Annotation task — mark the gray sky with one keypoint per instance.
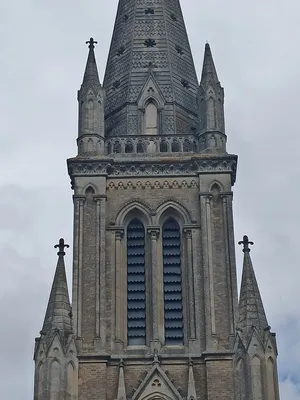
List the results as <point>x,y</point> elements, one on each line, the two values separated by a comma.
<point>256,51</point>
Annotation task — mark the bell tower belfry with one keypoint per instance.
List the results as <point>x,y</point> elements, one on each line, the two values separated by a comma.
<point>155,311</point>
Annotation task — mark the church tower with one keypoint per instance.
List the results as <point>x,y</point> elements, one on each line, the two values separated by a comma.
<point>155,311</point>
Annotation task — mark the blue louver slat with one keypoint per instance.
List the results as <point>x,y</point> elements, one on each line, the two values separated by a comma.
<point>136,289</point>
<point>172,283</point>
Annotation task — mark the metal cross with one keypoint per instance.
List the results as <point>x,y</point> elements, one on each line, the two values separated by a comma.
<point>246,243</point>
<point>91,43</point>
<point>61,246</point>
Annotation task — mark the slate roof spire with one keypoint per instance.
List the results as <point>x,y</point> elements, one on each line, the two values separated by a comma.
<point>58,314</point>
<point>147,33</point>
<point>251,309</point>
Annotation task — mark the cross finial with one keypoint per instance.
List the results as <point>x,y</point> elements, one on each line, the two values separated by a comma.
<point>246,243</point>
<point>61,247</point>
<point>91,43</point>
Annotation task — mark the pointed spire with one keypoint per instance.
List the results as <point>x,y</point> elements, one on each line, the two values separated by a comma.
<point>209,72</point>
<point>121,385</point>
<point>91,76</point>
<point>211,108</point>
<point>191,395</point>
<point>58,314</point>
<point>156,35</point>
<point>251,309</point>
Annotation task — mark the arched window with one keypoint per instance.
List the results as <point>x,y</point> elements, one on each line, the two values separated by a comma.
<point>151,119</point>
<point>172,283</point>
<point>163,146</point>
<point>175,146</point>
<point>136,285</point>
<point>128,147</point>
<point>140,148</point>
<point>117,147</point>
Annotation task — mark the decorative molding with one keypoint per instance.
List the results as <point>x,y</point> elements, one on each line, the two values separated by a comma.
<point>159,167</point>
<point>177,184</point>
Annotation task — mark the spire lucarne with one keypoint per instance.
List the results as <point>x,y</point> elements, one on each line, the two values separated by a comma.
<point>150,36</point>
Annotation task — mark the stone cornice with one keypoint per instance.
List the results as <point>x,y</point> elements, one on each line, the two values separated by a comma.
<point>152,167</point>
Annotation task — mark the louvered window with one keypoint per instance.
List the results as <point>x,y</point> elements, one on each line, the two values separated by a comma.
<point>136,289</point>
<point>172,283</point>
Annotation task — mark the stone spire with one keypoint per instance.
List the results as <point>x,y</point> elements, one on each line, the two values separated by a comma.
<point>150,35</point>
<point>55,354</point>
<point>91,76</point>
<point>251,309</point>
<point>91,108</point>
<point>209,72</point>
<point>211,107</point>
<point>58,314</point>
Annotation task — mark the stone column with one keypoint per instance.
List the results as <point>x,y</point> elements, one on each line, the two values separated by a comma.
<point>100,331</point>
<point>119,334</point>
<point>155,287</point>
<point>228,265</point>
<point>210,263</point>
<point>102,251</point>
<point>98,222</point>
<point>77,269</point>
<point>190,276</point>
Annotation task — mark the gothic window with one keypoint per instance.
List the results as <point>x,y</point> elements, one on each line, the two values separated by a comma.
<point>151,119</point>
<point>136,289</point>
<point>172,283</point>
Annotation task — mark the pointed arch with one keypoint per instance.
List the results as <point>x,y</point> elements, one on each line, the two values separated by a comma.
<point>173,209</point>
<point>136,283</point>
<point>89,190</point>
<point>131,210</point>
<point>216,186</point>
<point>173,310</point>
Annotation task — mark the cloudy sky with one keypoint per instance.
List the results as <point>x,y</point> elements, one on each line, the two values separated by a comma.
<point>256,50</point>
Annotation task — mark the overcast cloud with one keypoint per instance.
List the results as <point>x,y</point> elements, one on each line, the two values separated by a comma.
<point>256,49</point>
